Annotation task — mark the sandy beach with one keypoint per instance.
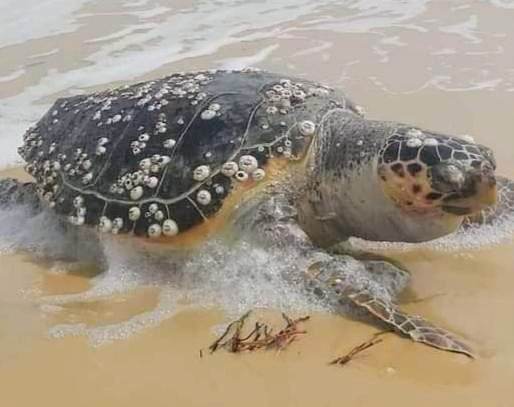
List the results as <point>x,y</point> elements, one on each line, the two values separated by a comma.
<point>442,65</point>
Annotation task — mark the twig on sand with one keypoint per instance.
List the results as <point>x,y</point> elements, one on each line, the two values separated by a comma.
<point>374,340</point>
<point>261,336</point>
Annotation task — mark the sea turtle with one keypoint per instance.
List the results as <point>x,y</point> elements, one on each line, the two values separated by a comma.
<point>179,159</point>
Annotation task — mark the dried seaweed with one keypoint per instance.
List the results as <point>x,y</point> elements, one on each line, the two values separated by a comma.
<point>260,337</point>
<point>374,340</point>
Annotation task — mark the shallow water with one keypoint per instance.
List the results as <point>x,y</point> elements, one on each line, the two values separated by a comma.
<point>70,334</point>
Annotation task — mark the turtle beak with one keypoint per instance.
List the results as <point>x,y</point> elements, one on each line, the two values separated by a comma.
<point>478,192</point>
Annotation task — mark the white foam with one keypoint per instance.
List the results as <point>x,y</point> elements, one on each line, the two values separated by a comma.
<point>239,279</point>
<point>242,278</point>
<point>236,278</point>
<point>13,75</point>
<point>158,36</point>
<point>465,239</point>
<point>22,20</point>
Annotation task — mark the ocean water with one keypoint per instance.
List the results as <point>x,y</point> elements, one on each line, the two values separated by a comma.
<point>448,65</point>
<point>51,48</point>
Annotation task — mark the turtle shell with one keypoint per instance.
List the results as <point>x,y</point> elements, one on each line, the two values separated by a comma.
<point>159,157</point>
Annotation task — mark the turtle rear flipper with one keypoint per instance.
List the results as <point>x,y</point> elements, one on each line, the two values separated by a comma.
<point>413,326</point>
<point>14,192</point>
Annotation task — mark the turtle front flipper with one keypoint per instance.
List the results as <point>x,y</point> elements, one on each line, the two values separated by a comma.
<point>413,326</point>
<point>354,284</point>
<point>503,208</point>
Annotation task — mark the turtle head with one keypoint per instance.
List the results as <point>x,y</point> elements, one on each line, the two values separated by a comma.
<point>389,182</point>
<point>437,177</point>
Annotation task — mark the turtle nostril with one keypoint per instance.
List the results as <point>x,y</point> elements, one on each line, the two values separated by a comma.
<point>487,173</point>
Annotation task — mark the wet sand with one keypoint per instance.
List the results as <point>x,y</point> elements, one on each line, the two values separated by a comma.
<point>162,366</point>
<point>469,292</point>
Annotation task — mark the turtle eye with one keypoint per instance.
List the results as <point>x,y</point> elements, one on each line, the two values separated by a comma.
<point>446,178</point>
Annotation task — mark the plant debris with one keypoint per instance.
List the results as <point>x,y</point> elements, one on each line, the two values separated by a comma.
<point>260,337</point>
<point>374,340</point>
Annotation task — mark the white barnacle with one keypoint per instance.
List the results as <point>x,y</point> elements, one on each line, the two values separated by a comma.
<point>97,115</point>
<point>144,137</point>
<point>87,164</point>
<point>145,164</point>
<point>102,141</point>
<point>360,142</point>
<point>414,142</point>
<point>307,127</point>
<point>414,133</point>
<point>153,208</point>
<point>100,150</point>
<point>180,121</point>
<point>241,176</point>
<point>159,215</point>
<point>78,201</point>
<point>155,168</point>
<point>248,163</point>
<point>468,138</point>
<point>154,230</point>
<point>87,178</point>
<point>151,182</point>
<point>134,213</point>
<point>164,160</point>
<point>116,118</point>
<point>299,94</point>
<point>169,227</point>
<point>203,197</point>
<point>136,193</point>
<point>104,224</point>
<point>229,169</point>
<point>360,110</point>
<point>219,189</point>
<point>117,223</point>
<point>430,142</point>
<point>215,107</point>
<point>128,184</point>
<point>80,211</point>
<point>169,143</point>
<point>455,175</point>
<point>258,174</point>
<point>201,173</point>
<point>208,114</point>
